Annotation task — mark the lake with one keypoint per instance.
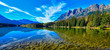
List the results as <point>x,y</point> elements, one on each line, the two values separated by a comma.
<point>19,38</point>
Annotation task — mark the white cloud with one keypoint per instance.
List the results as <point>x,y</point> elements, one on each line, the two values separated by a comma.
<point>43,6</point>
<point>17,9</point>
<point>9,11</point>
<point>43,19</point>
<point>49,12</point>
<point>38,9</point>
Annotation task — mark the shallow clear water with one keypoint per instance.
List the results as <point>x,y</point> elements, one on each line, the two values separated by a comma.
<point>11,35</point>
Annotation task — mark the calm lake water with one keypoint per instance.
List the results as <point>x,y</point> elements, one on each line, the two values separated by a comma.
<point>49,38</point>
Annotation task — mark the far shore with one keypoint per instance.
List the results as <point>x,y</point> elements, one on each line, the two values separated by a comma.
<point>84,27</point>
<point>79,27</point>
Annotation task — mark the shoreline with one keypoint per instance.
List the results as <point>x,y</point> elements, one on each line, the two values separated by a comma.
<point>78,27</point>
<point>85,27</point>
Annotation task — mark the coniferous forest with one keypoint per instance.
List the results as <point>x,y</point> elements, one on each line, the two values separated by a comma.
<point>96,19</point>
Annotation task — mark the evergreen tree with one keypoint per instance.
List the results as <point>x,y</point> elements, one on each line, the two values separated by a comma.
<point>82,22</point>
<point>96,19</point>
<point>78,22</point>
<point>73,21</point>
<point>105,19</point>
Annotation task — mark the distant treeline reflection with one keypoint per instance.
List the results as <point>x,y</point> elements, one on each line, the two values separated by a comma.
<point>86,37</point>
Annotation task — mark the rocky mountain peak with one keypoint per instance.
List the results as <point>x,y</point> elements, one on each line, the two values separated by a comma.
<point>107,6</point>
<point>94,7</point>
<point>83,12</point>
<point>69,12</point>
<point>74,11</point>
<point>101,7</point>
<point>102,4</point>
<point>79,8</point>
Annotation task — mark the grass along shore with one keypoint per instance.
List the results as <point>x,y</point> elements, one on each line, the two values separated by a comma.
<point>85,27</point>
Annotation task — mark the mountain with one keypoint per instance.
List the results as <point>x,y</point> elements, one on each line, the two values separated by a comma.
<point>7,21</point>
<point>84,12</point>
<point>25,21</point>
<point>15,22</point>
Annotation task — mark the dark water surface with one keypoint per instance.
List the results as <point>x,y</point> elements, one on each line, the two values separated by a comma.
<point>40,39</point>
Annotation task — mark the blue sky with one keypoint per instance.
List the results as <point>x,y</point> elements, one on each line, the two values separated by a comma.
<point>42,10</point>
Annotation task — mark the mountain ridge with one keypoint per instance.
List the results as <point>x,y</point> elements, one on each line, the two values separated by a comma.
<point>7,21</point>
<point>27,21</point>
<point>15,22</point>
<point>83,12</point>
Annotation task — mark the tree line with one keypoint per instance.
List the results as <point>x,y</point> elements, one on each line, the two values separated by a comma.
<point>96,19</point>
